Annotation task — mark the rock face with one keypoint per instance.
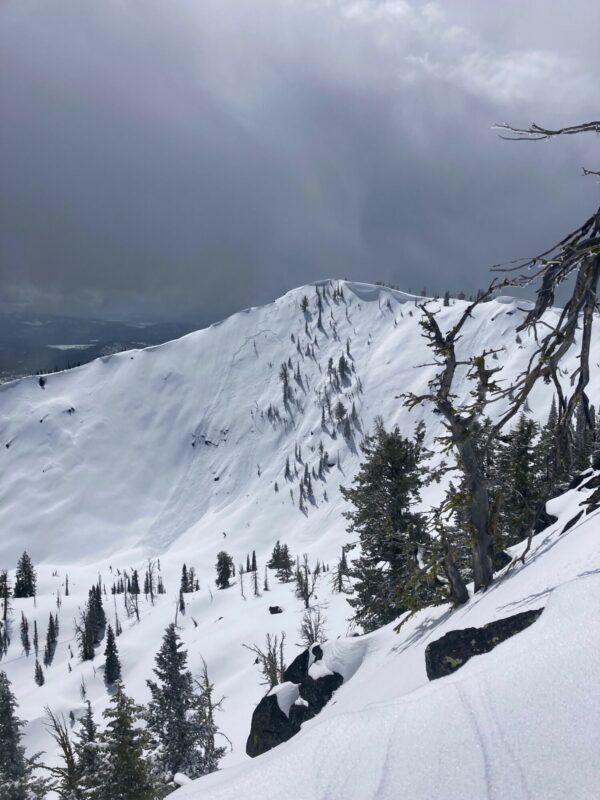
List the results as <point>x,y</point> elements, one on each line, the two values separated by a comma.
<point>270,725</point>
<point>455,648</point>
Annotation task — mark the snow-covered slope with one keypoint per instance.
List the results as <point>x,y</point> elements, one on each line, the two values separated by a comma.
<point>520,723</point>
<point>171,452</point>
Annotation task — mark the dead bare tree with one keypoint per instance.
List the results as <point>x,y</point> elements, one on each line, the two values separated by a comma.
<point>312,627</point>
<point>577,257</point>
<point>461,422</point>
<point>305,581</point>
<point>271,659</point>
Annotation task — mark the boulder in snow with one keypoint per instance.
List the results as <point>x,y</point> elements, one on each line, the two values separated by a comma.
<point>455,648</point>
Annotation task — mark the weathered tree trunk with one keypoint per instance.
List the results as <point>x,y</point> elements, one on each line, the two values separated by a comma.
<point>458,590</point>
<point>479,507</point>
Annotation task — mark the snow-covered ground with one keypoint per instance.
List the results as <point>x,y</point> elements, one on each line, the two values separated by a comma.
<point>170,453</point>
<point>519,723</point>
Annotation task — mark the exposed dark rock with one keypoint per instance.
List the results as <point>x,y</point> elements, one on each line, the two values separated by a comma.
<point>298,669</point>
<point>593,499</point>
<point>317,652</point>
<point>299,713</point>
<point>275,610</point>
<point>501,559</point>
<point>317,693</point>
<point>578,480</point>
<point>543,520</point>
<point>455,648</point>
<point>270,726</point>
<point>572,522</point>
<point>593,483</point>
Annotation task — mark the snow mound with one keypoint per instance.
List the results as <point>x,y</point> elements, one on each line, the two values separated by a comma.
<point>520,722</point>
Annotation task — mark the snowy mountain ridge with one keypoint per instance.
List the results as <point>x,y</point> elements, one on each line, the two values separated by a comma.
<point>179,451</point>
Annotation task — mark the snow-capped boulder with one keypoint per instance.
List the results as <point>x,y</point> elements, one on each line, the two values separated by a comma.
<point>301,696</point>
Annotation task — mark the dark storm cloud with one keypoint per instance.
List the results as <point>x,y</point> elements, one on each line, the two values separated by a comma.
<point>197,156</point>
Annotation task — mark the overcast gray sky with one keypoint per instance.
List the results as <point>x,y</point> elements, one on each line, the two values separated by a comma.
<point>191,157</point>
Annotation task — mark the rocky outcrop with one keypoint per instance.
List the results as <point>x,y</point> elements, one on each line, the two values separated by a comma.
<point>455,648</point>
<point>271,724</point>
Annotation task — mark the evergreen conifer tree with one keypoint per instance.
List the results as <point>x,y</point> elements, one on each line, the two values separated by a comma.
<point>126,774</point>
<point>224,569</point>
<point>135,583</point>
<point>518,466</point>
<point>25,578</point>
<point>112,665</point>
<point>25,634</point>
<point>583,438</point>
<point>16,770</point>
<point>285,570</point>
<point>274,561</point>
<point>390,531</point>
<point>552,472</point>
<point>184,585</point>
<point>176,716</point>
<point>4,594</point>
<point>51,639</point>
<point>38,674</point>
<point>88,756</point>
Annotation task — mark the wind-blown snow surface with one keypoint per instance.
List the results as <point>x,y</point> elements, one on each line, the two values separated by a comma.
<point>169,452</point>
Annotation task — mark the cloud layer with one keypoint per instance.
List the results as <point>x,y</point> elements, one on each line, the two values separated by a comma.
<point>192,157</point>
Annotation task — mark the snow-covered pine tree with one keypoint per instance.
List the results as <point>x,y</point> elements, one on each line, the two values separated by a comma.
<point>88,756</point>
<point>390,531</point>
<point>126,773</point>
<point>285,570</point>
<point>184,584</point>
<point>25,577</point>
<point>224,569</point>
<point>4,594</point>
<point>520,488</point>
<point>112,665</point>
<point>38,674</point>
<point>275,559</point>
<point>51,639</point>
<point>96,613</point>
<point>84,632</point>
<point>135,583</point>
<point>25,634</point>
<point>583,438</point>
<point>175,714</point>
<point>17,781</point>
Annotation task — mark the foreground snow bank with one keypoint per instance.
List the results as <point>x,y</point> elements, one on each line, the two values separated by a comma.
<point>520,722</point>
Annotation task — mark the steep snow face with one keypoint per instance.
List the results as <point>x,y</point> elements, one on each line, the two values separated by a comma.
<point>136,451</point>
<point>518,723</point>
<point>171,452</point>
